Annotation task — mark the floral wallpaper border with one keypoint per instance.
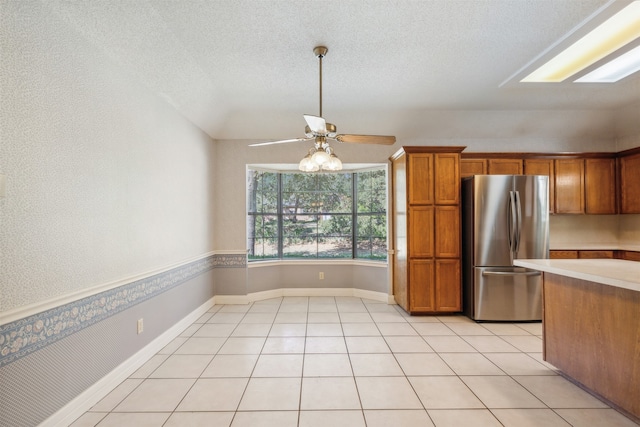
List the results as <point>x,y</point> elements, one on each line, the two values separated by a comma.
<point>24,336</point>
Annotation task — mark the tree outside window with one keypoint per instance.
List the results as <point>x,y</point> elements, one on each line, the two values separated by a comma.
<point>302,215</point>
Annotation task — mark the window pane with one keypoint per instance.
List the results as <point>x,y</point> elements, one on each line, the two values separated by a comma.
<point>372,225</point>
<point>299,182</point>
<point>264,248</point>
<point>317,215</point>
<point>335,225</point>
<point>262,236</point>
<point>374,249</point>
<point>262,192</point>
<point>372,191</point>
<point>263,226</point>
<point>335,247</point>
<point>299,247</point>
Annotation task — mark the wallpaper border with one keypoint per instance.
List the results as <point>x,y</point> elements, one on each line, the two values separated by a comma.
<point>24,336</point>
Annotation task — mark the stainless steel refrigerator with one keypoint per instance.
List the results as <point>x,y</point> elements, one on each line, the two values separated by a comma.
<point>504,217</point>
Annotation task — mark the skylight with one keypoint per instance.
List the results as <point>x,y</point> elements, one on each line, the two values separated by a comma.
<point>610,36</point>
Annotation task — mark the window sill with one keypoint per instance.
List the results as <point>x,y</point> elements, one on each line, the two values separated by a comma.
<point>269,263</point>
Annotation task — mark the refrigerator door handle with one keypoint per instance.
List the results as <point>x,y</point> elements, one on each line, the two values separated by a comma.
<point>511,273</point>
<point>518,223</point>
<point>512,219</point>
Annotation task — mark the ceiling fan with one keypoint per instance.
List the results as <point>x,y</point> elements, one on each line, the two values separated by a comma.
<point>321,156</point>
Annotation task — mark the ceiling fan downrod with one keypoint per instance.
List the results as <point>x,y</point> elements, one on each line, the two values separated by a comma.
<point>320,52</point>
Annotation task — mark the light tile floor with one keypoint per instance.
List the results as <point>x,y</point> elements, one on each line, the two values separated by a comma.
<point>344,361</point>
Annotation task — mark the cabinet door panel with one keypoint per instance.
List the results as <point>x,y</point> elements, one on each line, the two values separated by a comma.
<point>505,166</point>
<point>421,236</point>
<point>595,254</point>
<point>630,184</point>
<point>447,231</point>
<point>447,178</point>
<point>570,186</point>
<point>543,167</point>
<point>631,256</point>
<point>470,167</point>
<point>448,292</point>
<point>563,254</point>
<point>421,276</point>
<point>420,173</point>
<point>600,185</point>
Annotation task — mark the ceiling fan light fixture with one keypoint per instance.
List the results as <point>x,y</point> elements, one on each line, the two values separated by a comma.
<point>320,157</point>
<point>334,163</point>
<point>308,165</point>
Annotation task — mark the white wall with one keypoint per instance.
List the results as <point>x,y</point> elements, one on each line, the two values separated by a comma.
<point>104,180</point>
<point>628,127</point>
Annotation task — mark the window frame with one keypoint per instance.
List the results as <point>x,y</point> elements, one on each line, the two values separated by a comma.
<point>354,215</point>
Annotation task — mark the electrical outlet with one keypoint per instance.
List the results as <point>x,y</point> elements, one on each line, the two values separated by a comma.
<point>140,326</point>
<point>321,276</point>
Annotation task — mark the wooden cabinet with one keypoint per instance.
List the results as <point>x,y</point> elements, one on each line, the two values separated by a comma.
<point>505,166</point>
<point>447,293</point>
<point>628,255</point>
<point>421,278</point>
<point>630,182</point>
<point>426,229</point>
<point>578,183</point>
<point>447,224</point>
<point>556,254</point>
<point>421,231</point>
<point>585,186</point>
<point>569,186</point>
<point>447,166</point>
<point>470,167</point>
<point>600,186</point>
<point>421,185</point>
<point>590,333</point>
<point>543,167</point>
<point>595,254</point>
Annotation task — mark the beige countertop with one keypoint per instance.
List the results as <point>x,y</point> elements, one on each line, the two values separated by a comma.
<point>612,272</point>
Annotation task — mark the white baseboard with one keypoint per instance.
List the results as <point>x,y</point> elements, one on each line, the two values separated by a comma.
<point>83,402</point>
<point>305,292</point>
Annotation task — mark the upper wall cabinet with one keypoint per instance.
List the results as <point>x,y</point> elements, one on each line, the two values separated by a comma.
<point>600,186</point>
<point>578,183</point>
<point>505,166</point>
<point>569,186</point>
<point>629,162</point>
<point>447,167</point>
<point>420,171</point>
<point>470,167</point>
<point>585,186</point>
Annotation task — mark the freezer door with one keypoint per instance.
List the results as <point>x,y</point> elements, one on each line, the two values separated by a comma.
<point>532,239</point>
<point>507,294</point>
<point>492,220</point>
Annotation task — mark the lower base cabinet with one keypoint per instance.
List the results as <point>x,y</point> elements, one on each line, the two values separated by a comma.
<point>434,286</point>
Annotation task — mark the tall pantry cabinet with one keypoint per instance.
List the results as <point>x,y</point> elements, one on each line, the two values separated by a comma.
<point>426,229</point>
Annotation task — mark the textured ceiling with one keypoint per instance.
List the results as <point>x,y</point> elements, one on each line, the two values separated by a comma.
<point>245,68</point>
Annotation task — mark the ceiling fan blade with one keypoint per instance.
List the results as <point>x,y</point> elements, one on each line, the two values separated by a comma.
<point>282,141</point>
<point>367,139</point>
<point>316,124</point>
